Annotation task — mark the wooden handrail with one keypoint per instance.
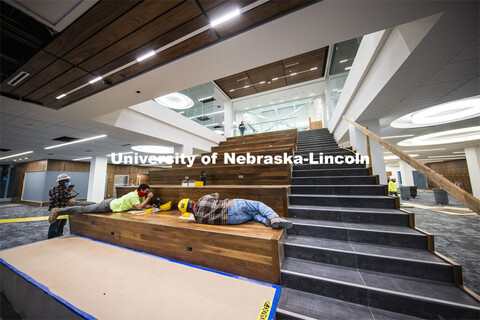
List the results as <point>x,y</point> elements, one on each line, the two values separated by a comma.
<point>458,193</point>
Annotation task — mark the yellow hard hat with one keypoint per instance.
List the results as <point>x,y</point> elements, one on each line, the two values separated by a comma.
<point>166,206</point>
<point>182,205</point>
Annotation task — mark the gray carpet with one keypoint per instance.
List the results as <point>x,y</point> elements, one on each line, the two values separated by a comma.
<point>20,233</point>
<point>456,236</point>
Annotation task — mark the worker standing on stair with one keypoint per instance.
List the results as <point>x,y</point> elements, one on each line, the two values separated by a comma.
<point>392,187</point>
<point>210,210</point>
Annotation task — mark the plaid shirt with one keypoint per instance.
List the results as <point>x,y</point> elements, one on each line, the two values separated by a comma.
<point>59,196</point>
<point>210,210</point>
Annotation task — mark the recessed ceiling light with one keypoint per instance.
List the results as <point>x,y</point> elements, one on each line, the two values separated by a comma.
<point>95,80</point>
<point>247,86</point>
<point>147,55</point>
<point>84,158</point>
<point>219,131</point>
<point>228,16</point>
<point>76,141</point>
<point>61,96</point>
<point>175,100</point>
<point>121,153</point>
<point>262,82</point>
<point>15,155</point>
<point>402,136</point>
<point>425,150</point>
<point>343,61</point>
<point>295,97</point>
<point>395,157</point>
<point>448,156</point>
<point>294,74</point>
<point>458,152</point>
<point>314,68</point>
<point>231,90</point>
<point>311,94</point>
<point>443,113</point>
<point>274,79</point>
<point>348,68</point>
<point>444,137</point>
<point>153,149</point>
<point>259,105</point>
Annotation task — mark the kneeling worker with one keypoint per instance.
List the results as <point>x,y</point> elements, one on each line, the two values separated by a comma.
<point>137,199</point>
<point>210,210</point>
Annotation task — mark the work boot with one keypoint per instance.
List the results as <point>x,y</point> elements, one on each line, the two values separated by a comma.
<point>71,203</point>
<point>53,215</point>
<point>278,223</point>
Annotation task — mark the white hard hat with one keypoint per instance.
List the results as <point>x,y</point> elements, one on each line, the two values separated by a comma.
<point>62,176</point>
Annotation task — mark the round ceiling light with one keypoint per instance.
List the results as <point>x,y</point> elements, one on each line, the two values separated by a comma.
<point>443,113</point>
<point>444,137</point>
<point>153,149</point>
<point>175,100</point>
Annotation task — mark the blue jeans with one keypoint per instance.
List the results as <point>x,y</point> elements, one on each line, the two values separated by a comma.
<point>243,211</point>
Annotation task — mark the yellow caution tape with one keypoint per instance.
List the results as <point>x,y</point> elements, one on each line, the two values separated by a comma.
<point>265,311</point>
<point>30,219</point>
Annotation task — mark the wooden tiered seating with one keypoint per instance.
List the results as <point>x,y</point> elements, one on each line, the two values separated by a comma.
<point>251,250</point>
<point>274,196</point>
<point>226,175</point>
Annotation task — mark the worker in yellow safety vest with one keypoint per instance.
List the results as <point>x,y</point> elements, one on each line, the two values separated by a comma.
<point>392,187</point>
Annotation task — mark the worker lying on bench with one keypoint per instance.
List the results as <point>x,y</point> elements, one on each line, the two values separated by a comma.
<point>137,199</point>
<point>210,210</point>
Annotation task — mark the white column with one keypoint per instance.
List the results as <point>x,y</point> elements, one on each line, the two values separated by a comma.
<point>228,119</point>
<point>473,164</point>
<point>378,162</point>
<point>186,149</point>
<point>324,112</point>
<point>97,179</point>
<point>352,134</point>
<point>407,174</point>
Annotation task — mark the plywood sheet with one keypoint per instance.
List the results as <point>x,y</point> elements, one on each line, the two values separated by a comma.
<point>109,282</point>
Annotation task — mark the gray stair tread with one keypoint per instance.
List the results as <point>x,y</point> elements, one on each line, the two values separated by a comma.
<point>356,226</point>
<point>321,307</point>
<point>446,292</point>
<point>362,248</point>
<point>348,209</point>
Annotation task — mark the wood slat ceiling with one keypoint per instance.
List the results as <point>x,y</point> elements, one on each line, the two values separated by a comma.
<point>114,33</point>
<point>297,69</point>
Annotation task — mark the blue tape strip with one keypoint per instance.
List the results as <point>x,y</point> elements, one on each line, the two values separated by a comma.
<point>276,298</point>
<point>42,287</point>
<point>186,264</point>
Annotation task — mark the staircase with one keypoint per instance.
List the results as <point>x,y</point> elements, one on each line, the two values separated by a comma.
<point>351,253</point>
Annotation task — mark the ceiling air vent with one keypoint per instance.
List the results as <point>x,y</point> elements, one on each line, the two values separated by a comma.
<point>18,78</point>
<point>65,139</point>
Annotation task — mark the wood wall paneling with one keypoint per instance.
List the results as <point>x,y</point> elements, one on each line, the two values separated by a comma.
<point>455,171</point>
<point>209,4</point>
<point>51,99</point>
